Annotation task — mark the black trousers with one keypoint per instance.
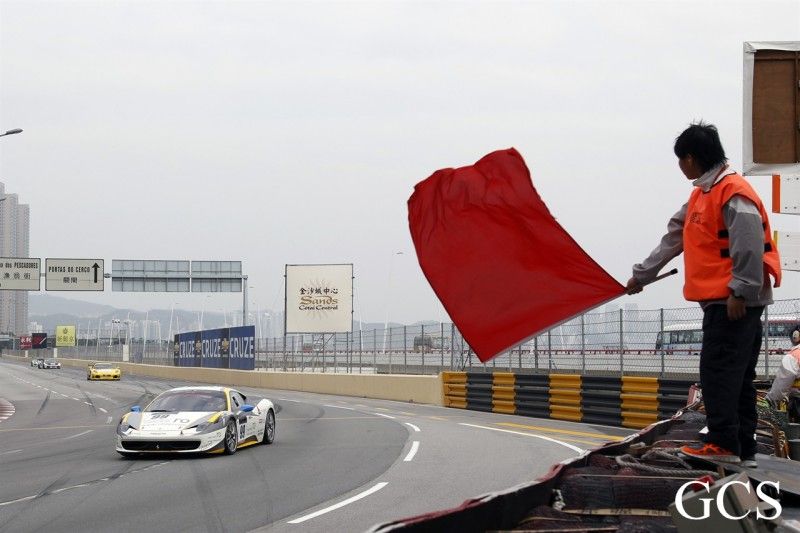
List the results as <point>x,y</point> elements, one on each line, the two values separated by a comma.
<point>727,370</point>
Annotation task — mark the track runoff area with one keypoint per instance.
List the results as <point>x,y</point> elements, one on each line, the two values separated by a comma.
<point>337,463</point>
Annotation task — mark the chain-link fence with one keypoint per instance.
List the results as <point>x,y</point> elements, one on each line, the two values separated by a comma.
<point>660,342</point>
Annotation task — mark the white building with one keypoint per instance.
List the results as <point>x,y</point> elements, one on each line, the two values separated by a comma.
<point>14,242</point>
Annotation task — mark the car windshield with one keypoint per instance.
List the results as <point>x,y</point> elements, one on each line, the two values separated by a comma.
<point>50,361</point>
<point>102,366</point>
<point>189,400</point>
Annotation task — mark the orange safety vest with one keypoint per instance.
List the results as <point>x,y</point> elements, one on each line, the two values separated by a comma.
<point>706,253</point>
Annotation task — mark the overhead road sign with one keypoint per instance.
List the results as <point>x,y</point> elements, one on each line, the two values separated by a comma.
<point>145,275</point>
<point>74,274</point>
<point>216,276</point>
<point>20,273</point>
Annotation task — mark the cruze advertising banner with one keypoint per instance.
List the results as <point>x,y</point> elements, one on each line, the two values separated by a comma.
<point>319,298</point>
<point>242,348</point>
<point>217,348</point>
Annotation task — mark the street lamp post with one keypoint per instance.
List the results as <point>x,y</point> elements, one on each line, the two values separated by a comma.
<point>388,299</point>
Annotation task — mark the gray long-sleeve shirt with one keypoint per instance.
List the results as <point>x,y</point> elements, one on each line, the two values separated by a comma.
<point>746,238</point>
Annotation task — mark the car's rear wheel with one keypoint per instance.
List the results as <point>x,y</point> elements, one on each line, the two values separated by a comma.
<point>269,428</point>
<point>231,438</point>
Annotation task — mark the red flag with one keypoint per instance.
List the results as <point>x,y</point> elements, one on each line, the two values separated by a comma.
<point>503,268</point>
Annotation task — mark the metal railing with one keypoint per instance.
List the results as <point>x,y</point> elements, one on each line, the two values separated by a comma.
<point>612,342</point>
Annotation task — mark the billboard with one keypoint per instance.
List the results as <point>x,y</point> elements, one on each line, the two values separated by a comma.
<point>25,342</point>
<point>233,348</point>
<point>319,299</point>
<point>65,336</point>
<point>39,341</point>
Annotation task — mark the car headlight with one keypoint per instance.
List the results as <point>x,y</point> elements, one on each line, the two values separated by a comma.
<point>211,424</point>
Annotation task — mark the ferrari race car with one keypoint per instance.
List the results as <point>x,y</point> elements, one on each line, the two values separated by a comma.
<point>196,419</point>
<point>102,371</point>
<point>49,363</point>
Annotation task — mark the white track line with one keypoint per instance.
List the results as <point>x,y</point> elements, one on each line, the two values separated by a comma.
<point>338,407</point>
<point>570,446</point>
<point>339,505</point>
<point>412,452</point>
<point>383,415</point>
<point>79,434</point>
<point>12,451</point>
<point>412,426</point>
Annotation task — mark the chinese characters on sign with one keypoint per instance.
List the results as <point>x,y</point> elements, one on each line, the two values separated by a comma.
<point>19,273</point>
<point>319,298</point>
<point>65,336</point>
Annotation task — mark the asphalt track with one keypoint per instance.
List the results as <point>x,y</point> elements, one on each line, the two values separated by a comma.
<point>337,464</point>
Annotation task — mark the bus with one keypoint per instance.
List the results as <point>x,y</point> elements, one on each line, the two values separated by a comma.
<point>687,337</point>
<point>430,343</point>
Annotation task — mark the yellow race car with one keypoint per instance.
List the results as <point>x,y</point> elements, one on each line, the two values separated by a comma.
<point>103,371</point>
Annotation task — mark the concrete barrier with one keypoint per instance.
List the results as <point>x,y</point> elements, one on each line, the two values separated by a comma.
<point>399,387</point>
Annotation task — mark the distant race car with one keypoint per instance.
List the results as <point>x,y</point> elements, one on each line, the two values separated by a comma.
<point>36,361</point>
<point>103,371</point>
<point>49,363</point>
<point>196,419</point>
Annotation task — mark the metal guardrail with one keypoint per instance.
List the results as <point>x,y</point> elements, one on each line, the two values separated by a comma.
<point>602,343</point>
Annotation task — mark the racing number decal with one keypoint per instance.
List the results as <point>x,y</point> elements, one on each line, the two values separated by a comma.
<point>241,430</point>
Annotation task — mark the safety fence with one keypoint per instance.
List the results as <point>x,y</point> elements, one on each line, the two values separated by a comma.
<point>657,343</point>
<point>626,401</point>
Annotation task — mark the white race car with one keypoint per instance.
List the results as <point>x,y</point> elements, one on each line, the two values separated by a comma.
<point>196,419</point>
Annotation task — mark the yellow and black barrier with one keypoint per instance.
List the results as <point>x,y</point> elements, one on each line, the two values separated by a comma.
<point>565,397</point>
<point>455,389</point>
<point>627,401</point>
<point>532,395</point>
<point>601,399</point>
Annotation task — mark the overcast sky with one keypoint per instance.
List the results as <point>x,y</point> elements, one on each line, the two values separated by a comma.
<point>292,132</point>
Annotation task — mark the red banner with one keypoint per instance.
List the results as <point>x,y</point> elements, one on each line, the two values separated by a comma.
<point>502,266</point>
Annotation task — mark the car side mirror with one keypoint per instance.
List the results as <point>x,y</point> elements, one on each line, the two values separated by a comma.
<point>246,408</point>
<point>136,409</point>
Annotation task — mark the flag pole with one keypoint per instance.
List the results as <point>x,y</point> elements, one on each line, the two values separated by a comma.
<point>661,276</point>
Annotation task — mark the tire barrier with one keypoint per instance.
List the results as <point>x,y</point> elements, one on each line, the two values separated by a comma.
<point>454,385</point>
<point>602,400</point>
<point>532,395</point>
<point>628,401</point>
<point>503,393</point>
<point>479,391</point>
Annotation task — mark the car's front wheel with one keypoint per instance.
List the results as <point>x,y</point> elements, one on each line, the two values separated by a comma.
<point>269,428</point>
<point>231,438</point>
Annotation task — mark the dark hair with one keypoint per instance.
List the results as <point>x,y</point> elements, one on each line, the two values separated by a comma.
<point>701,141</point>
